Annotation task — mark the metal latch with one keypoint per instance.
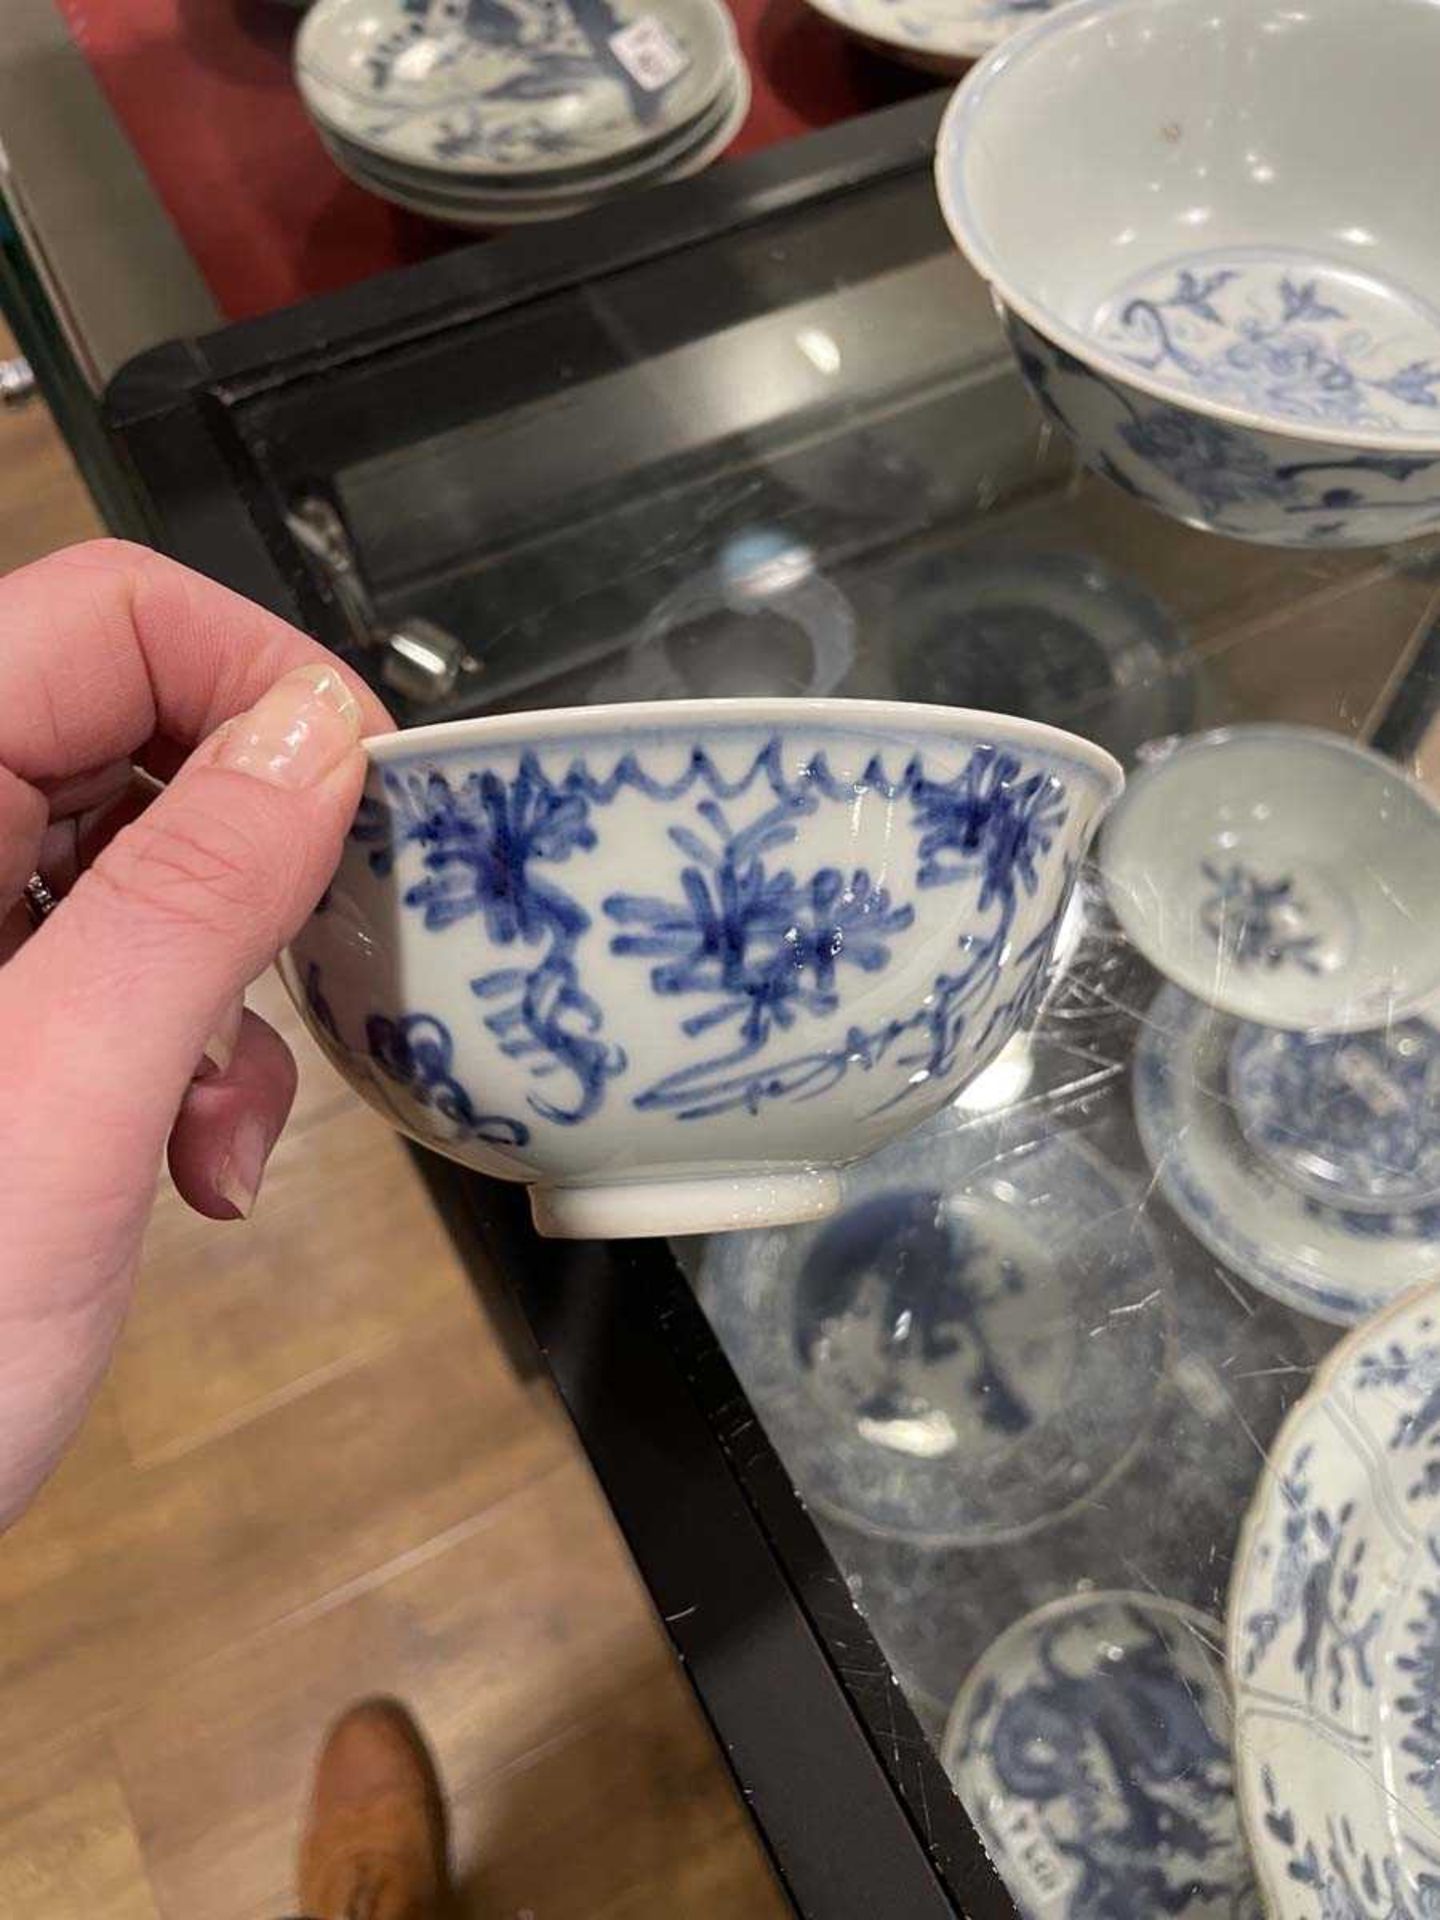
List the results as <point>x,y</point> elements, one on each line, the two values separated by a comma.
<point>416,658</point>
<point>17,381</point>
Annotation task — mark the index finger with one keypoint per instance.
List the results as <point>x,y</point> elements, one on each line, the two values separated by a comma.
<point>106,644</point>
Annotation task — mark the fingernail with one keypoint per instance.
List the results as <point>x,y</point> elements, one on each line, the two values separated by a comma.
<point>296,733</point>
<point>219,1052</point>
<point>243,1167</point>
<point>220,1047</point>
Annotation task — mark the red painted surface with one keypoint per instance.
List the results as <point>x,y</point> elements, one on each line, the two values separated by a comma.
<point>203,91</point>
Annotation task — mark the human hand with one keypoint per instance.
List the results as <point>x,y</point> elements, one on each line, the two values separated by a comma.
<point>122,1028</point>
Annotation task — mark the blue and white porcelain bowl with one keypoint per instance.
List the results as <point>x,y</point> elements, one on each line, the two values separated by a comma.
<point>1284,874</point>
<point>1210,232</point>
<point>938,36</point>
<point>673,964</point>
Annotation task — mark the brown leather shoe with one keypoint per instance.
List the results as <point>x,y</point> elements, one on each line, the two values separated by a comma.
<point>374,1846</point>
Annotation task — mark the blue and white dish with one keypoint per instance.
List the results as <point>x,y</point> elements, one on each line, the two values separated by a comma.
<point>1091,1746</point>
<point>1242,329</point>
<point>1333,1635</point>
<point>674,964</point>
<point>499,204</point>
<point>932,34</point>
<point>505,87</point>
<point>1353,1118</point>
<point>925,1363</point>
<point>461,189</point>
<point>1338,1263</point>
<point>1284,874</point>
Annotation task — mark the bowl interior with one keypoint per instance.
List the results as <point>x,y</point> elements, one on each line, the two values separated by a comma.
<point>1282,876</point>
<point>1233,199</point>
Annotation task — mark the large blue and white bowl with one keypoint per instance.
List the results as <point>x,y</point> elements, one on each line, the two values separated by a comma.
<point>673,964</point>
<point>1210,232</point>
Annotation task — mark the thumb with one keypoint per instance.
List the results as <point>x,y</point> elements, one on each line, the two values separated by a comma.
<point>113,999</point>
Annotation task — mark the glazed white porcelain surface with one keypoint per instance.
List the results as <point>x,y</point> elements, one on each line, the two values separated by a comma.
<point>673,964</point>
<point>500,206</point>
<point>926,32</point>
<point>461,188</point>
<point>676,160</point>
<point>924,1361</point>
<point>1334,1260</point>
<point>1210,231</point>
<point>1283,874</point>
<point>1091,1745</point>
<point>501,86</point>
<point>1333,1635</point>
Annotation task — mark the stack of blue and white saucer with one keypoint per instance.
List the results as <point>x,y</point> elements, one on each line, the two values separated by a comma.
<point>490,112</point>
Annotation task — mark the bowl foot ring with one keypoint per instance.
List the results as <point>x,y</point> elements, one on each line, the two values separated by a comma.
<point>707,1203</point>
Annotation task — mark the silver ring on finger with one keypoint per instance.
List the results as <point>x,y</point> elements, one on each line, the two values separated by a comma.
<point>40,899</point>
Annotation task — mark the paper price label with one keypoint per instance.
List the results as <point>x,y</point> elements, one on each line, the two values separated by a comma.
<point>649,53</point>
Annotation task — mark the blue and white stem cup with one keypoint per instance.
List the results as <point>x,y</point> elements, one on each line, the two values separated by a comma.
<point>674,964</point>
<point>1283,874</point>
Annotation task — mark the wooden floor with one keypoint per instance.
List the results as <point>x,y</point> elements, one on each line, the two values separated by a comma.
<point>312,1476</point>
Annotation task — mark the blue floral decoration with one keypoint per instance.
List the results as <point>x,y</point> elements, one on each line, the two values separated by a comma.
<point>484,846</point>
<point>1256,922</point>
<point>557,47</point>
<point>753,944</point>
<point>1272,342</point>
<point>481,847</point>
<point>1420,1702</point>
<point>1315,1578</point>
<point>1222,473</point>
<point>1350,1883</point>
<point>760,944</point>
<point>989,823</point>
<point>1397,1371</point>
<point>373,830</point>
<point>992,823</point>
<point>1219,467</point>
<point>417,1053</point>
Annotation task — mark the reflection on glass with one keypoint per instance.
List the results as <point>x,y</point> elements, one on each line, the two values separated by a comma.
<point>972,1345</point>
